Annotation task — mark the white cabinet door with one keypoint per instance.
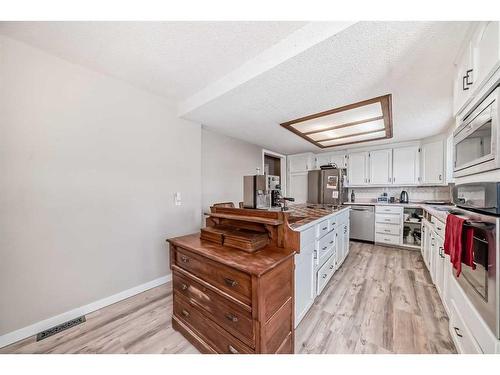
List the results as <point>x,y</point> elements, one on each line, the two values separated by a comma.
<point>380,167</point>
<point>486,50</point>
<point>323,159</point>
<point>405,165</point>
<point>297,187</point>
<point>462,85</point>
<point>439,266</point>
<point>300,163</point>
<point>357,168</point>
<point>433,162</point>
<point>339,160</point>
<point>304,281</point>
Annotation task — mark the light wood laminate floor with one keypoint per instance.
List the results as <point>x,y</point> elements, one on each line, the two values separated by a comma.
<point>380,301</point>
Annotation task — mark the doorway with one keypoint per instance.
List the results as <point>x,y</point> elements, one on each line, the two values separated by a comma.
<point>274,164</point>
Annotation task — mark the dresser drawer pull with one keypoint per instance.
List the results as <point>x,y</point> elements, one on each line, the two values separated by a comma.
<point>232,349</point>
<point>185,313</point>
<point>184,259</point>
<point>324,276</point>
<point>230,282</point>
<point>232,318</point>
<point>184,286</point>
<point>457,331</point>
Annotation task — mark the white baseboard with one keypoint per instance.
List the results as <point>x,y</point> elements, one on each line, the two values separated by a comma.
<point>33,329</point>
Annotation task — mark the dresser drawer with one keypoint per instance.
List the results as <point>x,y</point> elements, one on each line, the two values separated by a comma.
<point>210,332</point>
<point>389,210</point>
<point>224,312</point>
<point>388,229</point>
<point>231,281</point>
<point>326,272</point>
<point>388,219</point>
<point>389,239</point>
<point>322,229</point>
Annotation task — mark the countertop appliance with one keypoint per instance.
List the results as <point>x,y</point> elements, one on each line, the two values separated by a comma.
<point>479,206</point>
<point>476,142</point>
<point>274,187</point>
<point>403,198</point>
<point>327,186</point>
<point>362,223</point>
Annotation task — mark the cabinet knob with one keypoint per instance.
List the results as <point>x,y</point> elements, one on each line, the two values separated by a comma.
<point>185,313</point>
<point>232,349</point>
<point>232,283</point>
<point>184,286</point>
<point>231,317</point>
<point>184,259</point>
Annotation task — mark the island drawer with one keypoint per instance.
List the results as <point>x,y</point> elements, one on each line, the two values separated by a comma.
<point>389,239</point>
<point>210,332</point>
<point>322,228</point>
<point>326,272</point>
<point>230,280</point>
<point>325,244</point>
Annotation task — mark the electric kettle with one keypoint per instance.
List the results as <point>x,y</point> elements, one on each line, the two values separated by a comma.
<point>404,197</point>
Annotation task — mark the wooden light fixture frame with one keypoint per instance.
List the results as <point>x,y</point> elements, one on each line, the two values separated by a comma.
<point>385,103</point>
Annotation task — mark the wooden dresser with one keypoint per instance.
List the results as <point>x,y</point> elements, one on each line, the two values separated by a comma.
<point>228,300</point>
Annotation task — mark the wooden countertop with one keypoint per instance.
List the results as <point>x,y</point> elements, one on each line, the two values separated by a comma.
<point>310,214</point>
<point>256,263</point>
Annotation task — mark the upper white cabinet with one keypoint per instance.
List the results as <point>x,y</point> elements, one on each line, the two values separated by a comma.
<point>380,167</point>
<point>334,158</point>
<point>357,168</point>
<point>297,187</point>
<point>300,163</point>
<point>433,162</point>
<point>478,59</point>
<point>486,50</point>
<point>406,165</point>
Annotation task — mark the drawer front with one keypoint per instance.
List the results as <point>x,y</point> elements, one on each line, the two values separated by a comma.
<point>388,210</point>
<point>332,222</point>
<point>438,227</point>
<point>222,311</point>
<point>219,339</point>
<point>233,282</point>
<point>388,229</point>
<point>326,272</point>
<point>387,238</point>
<point>461,334</point>
<point>326,244</point>
<point>322,229</point>
<point>388,219</point>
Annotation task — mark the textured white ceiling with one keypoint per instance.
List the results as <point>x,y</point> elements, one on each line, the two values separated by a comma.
<point>411,60</point>
<point>173,59</point>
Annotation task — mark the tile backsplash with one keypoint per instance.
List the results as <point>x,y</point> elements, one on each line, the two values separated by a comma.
<point>415,193</point>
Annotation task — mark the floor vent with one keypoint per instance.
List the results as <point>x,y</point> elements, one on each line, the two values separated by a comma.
<point>59,328</point>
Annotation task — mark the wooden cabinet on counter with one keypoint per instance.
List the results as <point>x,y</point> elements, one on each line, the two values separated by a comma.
<point>229,300</point>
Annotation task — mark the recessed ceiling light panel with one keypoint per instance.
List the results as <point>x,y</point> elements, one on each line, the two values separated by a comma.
<point>354,123</point>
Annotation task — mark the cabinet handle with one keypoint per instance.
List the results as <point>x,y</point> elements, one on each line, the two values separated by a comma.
<point>331,242</point>
<point>232,318</point>
<point>467,76</point>
<point>457,331</point>
<point>185,313</point>
<point>230,282</point>
<point>464,83</point>
<point>324,276</point>
<point>440,177</point>
<point>331,267</point>
<point>184,259</point>
<point>387,230</point>
<point>324,228</point>
<point>323,248</point>
<point>232,349</point>
<point>184,286</point>
<point>387,219</point>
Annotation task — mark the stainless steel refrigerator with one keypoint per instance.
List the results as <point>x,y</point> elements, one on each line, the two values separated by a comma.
<point>327,186</point>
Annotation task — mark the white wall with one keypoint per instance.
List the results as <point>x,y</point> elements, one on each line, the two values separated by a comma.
<point>88,169</point>
<point>225,161</point>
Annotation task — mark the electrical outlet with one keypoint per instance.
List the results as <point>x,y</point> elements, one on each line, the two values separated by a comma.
<point>177,199</point>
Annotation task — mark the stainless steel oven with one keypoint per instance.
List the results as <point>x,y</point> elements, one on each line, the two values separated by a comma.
<point>478,204</point>
<point>476,141</point>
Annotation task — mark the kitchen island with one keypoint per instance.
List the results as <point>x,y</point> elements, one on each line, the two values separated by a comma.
<point>324,245</point>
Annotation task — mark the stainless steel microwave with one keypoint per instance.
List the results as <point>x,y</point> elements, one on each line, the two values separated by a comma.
<point>476,142</point>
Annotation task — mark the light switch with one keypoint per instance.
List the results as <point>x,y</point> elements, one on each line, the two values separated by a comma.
<point>177,199</point>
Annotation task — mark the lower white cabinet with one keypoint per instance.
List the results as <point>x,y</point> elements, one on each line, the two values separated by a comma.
<point>388,223</point>
<point>305,286</point>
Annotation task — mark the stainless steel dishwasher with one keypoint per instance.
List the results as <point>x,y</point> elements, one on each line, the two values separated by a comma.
<point>362,223</point>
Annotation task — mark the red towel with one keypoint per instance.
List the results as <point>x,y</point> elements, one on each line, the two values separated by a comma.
<point>460,248</point>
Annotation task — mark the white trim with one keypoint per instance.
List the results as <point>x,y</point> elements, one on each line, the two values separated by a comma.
<point>12,337</point>
<point>283,168</point>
